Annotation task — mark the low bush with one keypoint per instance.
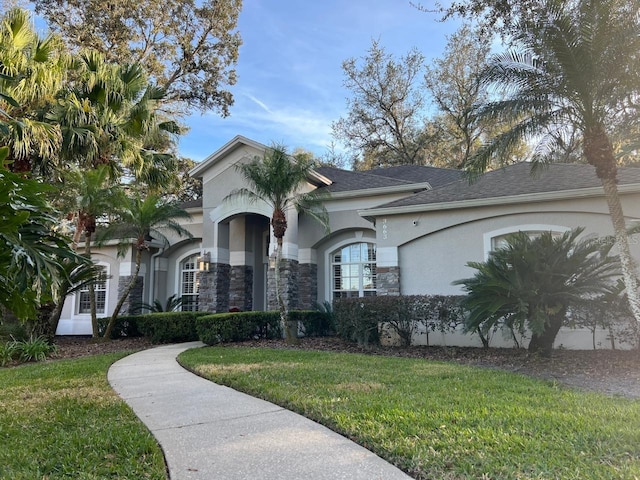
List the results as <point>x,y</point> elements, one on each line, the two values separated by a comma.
<point>169,327</point>
<point>126,326</point>
<point>13,330</point>
<point>238,326</point>
<point>358,319</point>
<point>34,349</point>
<point>315,323</point>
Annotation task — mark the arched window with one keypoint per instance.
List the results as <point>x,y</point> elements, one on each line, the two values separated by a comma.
<point>189,283</point>
<point>354,271</point>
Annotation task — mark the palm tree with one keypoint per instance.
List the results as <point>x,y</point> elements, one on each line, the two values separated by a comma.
<point>32,70</point>
<point>141,220</point>
<point>577,71</point>
<point>277,179</point>
<point>90,196</point>
<point>531,282</point>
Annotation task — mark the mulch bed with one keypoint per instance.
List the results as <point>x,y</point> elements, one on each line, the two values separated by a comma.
<point>615,372</point>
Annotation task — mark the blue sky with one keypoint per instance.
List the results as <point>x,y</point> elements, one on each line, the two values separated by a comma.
<point>289,86</point>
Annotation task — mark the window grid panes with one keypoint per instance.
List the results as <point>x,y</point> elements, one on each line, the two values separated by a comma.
<point>354,271</point>
<point>190,284</point>
<point>100,287</point>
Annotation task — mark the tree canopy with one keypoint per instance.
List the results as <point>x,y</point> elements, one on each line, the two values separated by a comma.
<point>189,48</point>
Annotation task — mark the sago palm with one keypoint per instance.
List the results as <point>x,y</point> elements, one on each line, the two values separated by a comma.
<point>141,220</point>
<point>277,179</point>
<point>578,71</point>
<point>531,282</point>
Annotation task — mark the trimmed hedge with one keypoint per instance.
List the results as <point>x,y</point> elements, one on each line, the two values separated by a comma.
<point>238,326</point>
<point>170,327</point>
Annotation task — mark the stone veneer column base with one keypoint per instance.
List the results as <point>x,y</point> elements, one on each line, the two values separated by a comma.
<point>241,287</point>
<point>289,284</point>
<point>307,286</point>
<point>388,281</point>
<point>214,289</point>
<point>132,304</point>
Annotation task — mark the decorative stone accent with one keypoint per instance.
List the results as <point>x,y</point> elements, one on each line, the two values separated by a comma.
<point>134,298</point>
<point>241,287</point>
<point>289,284</point>
<point>307,285</point>
<point>388,281</point>
<point>213,295</point>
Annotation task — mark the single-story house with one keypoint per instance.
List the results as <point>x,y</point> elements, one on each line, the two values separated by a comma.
<point>399,230</point>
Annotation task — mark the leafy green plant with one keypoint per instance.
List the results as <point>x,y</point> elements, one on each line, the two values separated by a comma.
<point>238,326</point>
<point>171,304</point>
<point>532,282</point>
<point>316,323</point>
<point>34,349</point>
<point>169,327</point>
<point>8,352</point>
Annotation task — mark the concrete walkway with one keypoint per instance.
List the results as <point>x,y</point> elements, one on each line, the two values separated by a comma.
<point>211,432</point>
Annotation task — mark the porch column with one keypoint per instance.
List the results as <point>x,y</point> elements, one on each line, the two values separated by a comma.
<point>126,271</point>
<point>288,265</point>
<point>241,266</point>
<point>215,283</point>
<point>307,278</point>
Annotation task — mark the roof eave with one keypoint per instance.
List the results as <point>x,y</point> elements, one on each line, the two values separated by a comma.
<point>369,192</point>
<point>486,202</point>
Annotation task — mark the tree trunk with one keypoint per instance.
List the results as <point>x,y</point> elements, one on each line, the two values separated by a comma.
<point>599,153</point>
<point>92,290</point>
<point>123,297</point>
<point>543,343</point>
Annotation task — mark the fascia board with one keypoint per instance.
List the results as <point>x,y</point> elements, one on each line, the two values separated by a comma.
<point>370,192</point>
<point>486,202</point>
<point>198,170</point>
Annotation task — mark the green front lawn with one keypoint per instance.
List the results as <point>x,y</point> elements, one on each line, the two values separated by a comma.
<point>439,420</point>
<point>62,420</point>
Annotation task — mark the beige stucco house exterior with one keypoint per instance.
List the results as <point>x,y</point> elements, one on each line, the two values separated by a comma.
<point>400,230</point>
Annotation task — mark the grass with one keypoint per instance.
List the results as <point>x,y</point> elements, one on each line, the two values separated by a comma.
<point>440,420</point>
<point>62,420</point>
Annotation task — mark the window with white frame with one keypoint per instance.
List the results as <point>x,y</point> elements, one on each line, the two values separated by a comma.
<point>354,271</point>
<point>500,241</point>
<point>189,283</point>
<point>100,288</point>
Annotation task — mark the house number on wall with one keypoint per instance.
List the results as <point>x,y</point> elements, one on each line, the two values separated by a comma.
<point>384,229</point>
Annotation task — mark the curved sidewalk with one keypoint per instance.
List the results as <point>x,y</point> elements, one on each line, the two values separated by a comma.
<point>211,432</point>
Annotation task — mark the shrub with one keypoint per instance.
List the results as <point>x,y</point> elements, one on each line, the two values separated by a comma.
<point>33,349</point>
<point>13,329</point>
<point>126,326</point>
<point>315,323</point>
<point>238,326</point>
<point>8,352</point>
<point>355,321</point>
<point>169,327</point>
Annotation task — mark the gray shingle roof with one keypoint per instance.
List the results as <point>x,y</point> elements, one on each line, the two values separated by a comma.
<point>347,180</point>
<point>516,180</point>
<point>420,173</point>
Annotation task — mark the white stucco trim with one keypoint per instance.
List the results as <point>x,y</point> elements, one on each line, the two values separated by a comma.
<point>222,152</point>
<point>506,200</point>
<point>127,269</point>
<point>218,254</point>
<point>527,227</point>
<point>370,192</point>
<point>307,255</point>
<point>241,258</point>
<point>387,256</point>
<point>239,207</point>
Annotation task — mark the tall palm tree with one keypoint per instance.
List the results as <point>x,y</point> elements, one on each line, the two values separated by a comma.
<point>90,195</point>
<point>577,71</point>
<point>277,179</point>
<point>141,220</point>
